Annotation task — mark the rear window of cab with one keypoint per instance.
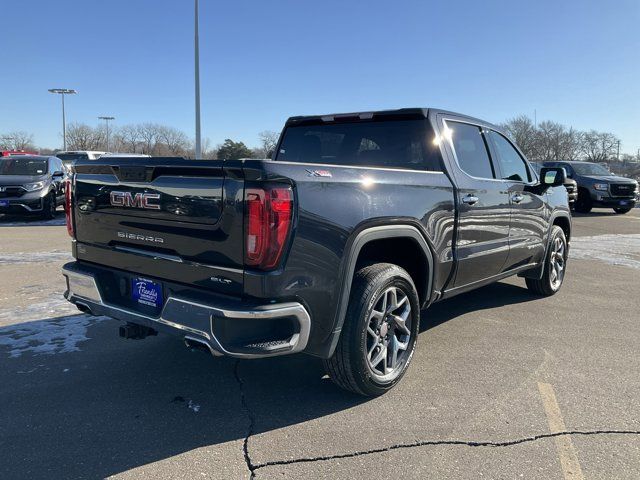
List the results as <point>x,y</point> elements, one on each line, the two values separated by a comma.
<point>400,144</point>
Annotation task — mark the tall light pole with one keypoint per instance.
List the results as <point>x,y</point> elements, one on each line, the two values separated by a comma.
<point>63,92</point>
<point>106,120</point>
<point>197,74</point>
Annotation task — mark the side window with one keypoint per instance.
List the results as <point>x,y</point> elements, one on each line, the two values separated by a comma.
<point>512,165</point>
<point>470,149</point>
<point>568,169</point>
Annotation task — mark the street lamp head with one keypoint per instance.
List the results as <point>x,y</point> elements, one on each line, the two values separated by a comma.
<point>67,91</point>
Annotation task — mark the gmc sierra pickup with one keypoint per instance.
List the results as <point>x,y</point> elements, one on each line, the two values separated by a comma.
<point>331,248</point>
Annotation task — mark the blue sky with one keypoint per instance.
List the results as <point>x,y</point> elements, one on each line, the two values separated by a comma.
<point>576,62</point>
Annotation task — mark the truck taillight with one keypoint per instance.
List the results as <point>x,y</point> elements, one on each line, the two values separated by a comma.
<point>68,207</point>
<point>269,213</point>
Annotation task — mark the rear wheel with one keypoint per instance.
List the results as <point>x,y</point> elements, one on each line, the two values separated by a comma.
<point>49,207</point>
<point>380,331</point>
<point>583,204</point>
<point>555,266</point>
<point>622,211</point>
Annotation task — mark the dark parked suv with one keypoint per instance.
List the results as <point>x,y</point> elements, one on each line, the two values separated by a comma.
<point>31,185</point>
<point>598,187</point>
<point>331,248</point>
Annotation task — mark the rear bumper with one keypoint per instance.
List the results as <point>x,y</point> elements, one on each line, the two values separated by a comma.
<point>225,327</point>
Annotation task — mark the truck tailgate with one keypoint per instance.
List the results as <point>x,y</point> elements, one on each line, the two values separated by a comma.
<point>170,219</point>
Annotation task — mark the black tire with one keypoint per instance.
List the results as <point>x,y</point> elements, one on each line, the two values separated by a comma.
<point>49,207</point>
<point>547,285</point>
<point>622,211</point>
<point>583,204</point>
<point>350,366</point>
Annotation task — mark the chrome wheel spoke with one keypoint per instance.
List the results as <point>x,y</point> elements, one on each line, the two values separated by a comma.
<point>392,303</point>
<point>401,324</point>
<point>384,303</point>
<point>557,262</point>
<point>553,272</point>
<point>402,302</point>
<point>388,332</point>
<point>382,354</point>
<point>393,346</point>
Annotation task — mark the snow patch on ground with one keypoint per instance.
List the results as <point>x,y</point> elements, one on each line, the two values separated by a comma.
<point>34,257</point>
<point>47,337</point>
<point>44,328</point>
<point>56,307</point>
<point>623,250</point>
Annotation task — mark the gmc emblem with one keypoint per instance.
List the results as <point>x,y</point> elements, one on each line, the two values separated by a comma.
<point>138,200</point>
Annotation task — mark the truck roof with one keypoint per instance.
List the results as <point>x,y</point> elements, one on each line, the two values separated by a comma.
<point>397,114</point>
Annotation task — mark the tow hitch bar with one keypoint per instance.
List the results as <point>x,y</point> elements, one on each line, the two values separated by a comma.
<point>135,332</point>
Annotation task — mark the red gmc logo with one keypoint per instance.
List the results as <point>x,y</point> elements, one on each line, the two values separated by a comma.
<point>137,200</point>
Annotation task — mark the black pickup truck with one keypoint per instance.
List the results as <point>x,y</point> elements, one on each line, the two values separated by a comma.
<point>331,248</point>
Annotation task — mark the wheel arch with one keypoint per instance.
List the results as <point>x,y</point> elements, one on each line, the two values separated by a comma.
<point>559,218</point>
<point>363,247</point>
<point>564,222</point>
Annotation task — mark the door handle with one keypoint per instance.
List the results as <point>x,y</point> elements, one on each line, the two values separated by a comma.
<point>517,198</point>
<point>470,199</point>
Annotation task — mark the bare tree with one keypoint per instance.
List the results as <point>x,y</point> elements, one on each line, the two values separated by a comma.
<point>126,138</point>
<point>18,140</point>
<point>208,153</point>
<point>522,131</point>
<point>548,141</point>
<point>268,143</point>
<point>555,142</point>
<point>83,137</point>
<point>571,145</point>
<point>174,141</point>
<point>148,133</point>
<point>599,146</point>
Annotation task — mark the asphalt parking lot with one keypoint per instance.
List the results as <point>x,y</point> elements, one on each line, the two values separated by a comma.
<point>503,385</point>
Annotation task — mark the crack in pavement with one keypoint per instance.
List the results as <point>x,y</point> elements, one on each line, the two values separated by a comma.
<point>468,443</point>
<point>252,421</point>
<point>253,467</point>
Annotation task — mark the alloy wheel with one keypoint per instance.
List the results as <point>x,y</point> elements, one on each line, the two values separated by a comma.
<point>389,333</point>
<point>557,263</point>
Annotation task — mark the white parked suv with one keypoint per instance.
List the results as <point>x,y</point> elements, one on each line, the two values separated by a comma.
<point>69,157</point>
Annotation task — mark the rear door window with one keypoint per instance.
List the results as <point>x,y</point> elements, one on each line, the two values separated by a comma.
<point>471,149</point>
<point>512,165</point>
<point>389,144</point>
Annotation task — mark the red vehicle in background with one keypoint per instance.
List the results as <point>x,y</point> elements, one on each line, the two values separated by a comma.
<point>6,153</point>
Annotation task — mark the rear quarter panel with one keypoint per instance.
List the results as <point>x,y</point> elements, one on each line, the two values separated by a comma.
<point>331,210</point>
